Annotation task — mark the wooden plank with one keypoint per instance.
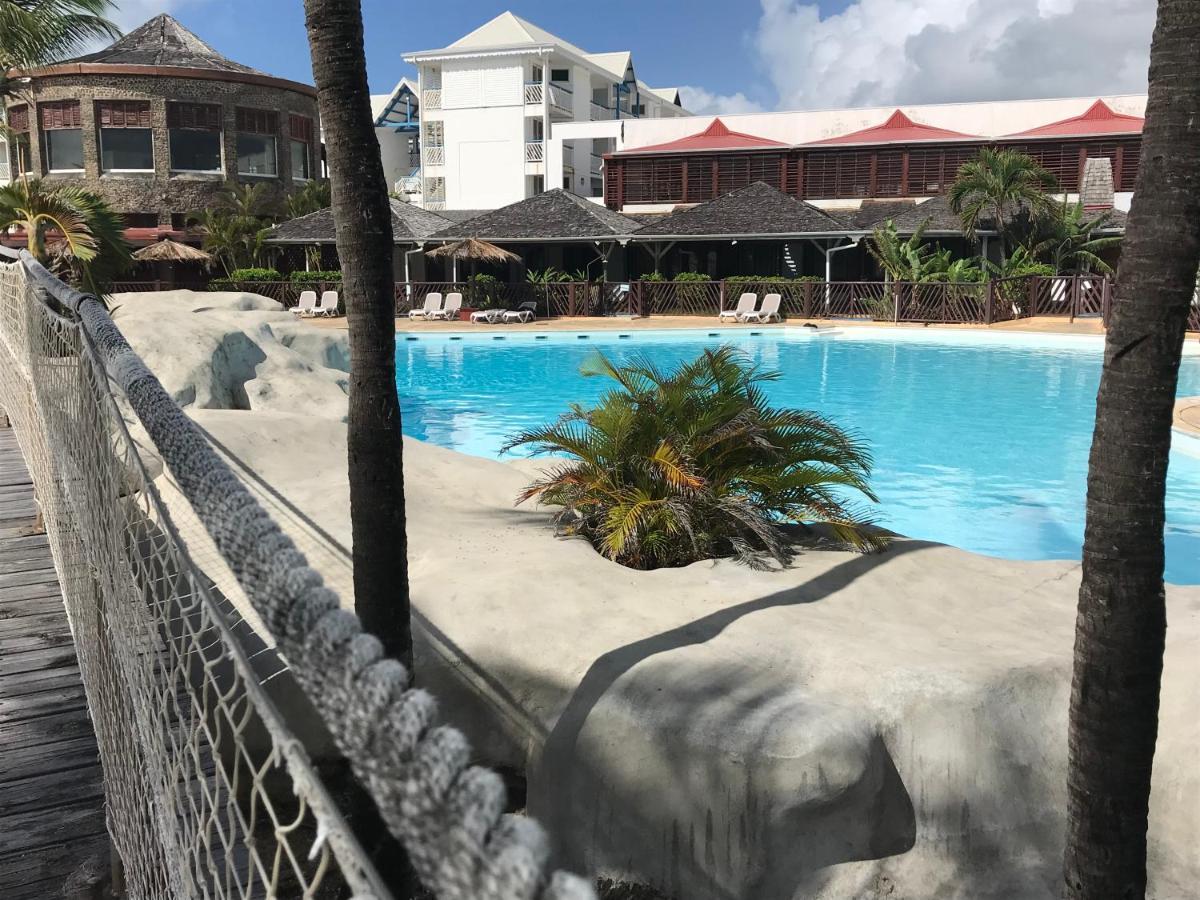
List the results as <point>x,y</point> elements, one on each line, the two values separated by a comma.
<point>14,710</point>
<point>61,756</point>
<point>38,681</point>
<point>37,660</point>
<point>59,726</point>
<point>31,606</point>
<point>51,790</point>
<point>34,829</point>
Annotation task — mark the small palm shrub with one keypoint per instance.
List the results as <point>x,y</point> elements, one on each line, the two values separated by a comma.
<point>674,467</point>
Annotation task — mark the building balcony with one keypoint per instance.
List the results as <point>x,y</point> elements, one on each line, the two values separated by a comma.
<point>600,112</point>
<point>414,159</point>
<point>435,156</point>
<point>431,98</point>
<point>535,152</point>
<point>597,163</point>
<point>434,205</point>
<point>562,100</point>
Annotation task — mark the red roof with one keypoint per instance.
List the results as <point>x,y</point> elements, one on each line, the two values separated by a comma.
<point>1100,118</point>
<point>898,129</point>
<point>716,136</point>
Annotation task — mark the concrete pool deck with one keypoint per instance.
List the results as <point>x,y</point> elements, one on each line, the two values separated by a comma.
<point>848,727</point>
<point>1041,324</point>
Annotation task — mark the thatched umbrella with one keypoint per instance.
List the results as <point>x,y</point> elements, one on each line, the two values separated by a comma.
<point>472,249</point>
<point>167,250</point>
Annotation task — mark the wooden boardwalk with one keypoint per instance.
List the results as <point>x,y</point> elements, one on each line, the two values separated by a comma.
<point>51,796</point>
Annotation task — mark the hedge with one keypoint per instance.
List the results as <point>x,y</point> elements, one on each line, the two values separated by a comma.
<point>315,277</point>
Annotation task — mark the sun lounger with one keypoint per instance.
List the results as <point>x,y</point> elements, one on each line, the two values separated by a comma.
<point>526,312</point>
<point>491,316</point>
<point>433,302</point>
<point>308,302</point>
<point>765,313</point>
<point>745,304</point>
<point>450,310</point>
<point>328,305</point>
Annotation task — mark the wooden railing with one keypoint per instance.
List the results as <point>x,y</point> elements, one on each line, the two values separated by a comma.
<point>1002,300</point>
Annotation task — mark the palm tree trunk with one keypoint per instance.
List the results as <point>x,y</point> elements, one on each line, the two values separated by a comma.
<point>1121,624</point>
<point>364,242</point>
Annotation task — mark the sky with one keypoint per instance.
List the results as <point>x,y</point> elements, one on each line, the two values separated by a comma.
<point>745,55</point>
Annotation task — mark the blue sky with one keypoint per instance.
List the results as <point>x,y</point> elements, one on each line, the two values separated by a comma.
<point>747,55</point>
<point>708,43</point>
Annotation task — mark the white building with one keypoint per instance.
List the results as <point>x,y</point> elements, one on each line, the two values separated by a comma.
<point>397,126</point>
<point>490,100</point>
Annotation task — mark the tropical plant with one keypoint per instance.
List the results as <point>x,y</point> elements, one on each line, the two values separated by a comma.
<point>36,32</point>
<point>1069,243</point>
<point>995,185</point>
<point>311,198</point>
<point>1022,262</point>
<point>674,467</point>
<point>1121,624</point>
<point>549,275</point>
<point>72,231</point>
<point>900,259</point>
<point>373,426</point>
<point>235,226</point>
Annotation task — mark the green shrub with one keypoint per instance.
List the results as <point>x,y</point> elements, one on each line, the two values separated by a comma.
<point>691,276</point>
<point>315,277</point>
<point>675,467</point>
<point>255,275</point>
<point>482,292</point>
<point>654,276</point>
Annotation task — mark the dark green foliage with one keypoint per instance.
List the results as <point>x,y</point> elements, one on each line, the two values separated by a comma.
<point>331,275</point>
<point>674,467</point>
<point>256,274</point>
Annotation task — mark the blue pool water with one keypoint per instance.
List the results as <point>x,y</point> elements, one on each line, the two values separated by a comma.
<point>980,441</point>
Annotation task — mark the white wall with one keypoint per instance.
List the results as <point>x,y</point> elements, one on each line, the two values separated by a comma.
<point>393,150</point>
<point>485,157</point>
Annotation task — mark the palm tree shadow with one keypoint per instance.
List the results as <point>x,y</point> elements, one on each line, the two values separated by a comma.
<point>564,780</point>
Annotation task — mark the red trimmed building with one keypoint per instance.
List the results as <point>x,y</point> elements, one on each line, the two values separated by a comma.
<point>907,154</point>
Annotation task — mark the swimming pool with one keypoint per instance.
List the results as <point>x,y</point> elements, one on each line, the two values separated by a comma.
<point>980,439</point>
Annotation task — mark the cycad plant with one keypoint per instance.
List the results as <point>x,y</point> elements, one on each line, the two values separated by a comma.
<point>68,229</point>
<point>234,227</point>
<point>674,467</point>
<point>994,186</point>
<point>901,259</point>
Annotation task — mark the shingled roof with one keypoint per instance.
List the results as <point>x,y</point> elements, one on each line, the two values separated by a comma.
<point>757,209</point>
<point>162,42</point>
<point>409,223</point>
<point>555,215</point>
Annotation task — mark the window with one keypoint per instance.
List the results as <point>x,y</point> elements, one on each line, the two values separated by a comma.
<point>126,142</point>
<point>18,123</point>
<point>62,135</point>
<point>639,109</point>
<point>537,127</point>
<point>140,219</point>
<point>536,74</point>
<point>256,147</point>
<point>560,74</point>
<point>194,132</point>
<point>597,187</point>
<point>300,129</point>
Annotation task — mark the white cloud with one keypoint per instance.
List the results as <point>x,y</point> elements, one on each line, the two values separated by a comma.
<point>879,52</point>
<point>704,102</point>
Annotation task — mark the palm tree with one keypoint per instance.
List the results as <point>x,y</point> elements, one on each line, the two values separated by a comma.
<point>36,32</point>
<point>68,229</point>
<point>1069,241</point>
<point>363,222</point>
<point>905,260</point>
<point>996,184</point>
<point>311,198</point>
<point>675,467</point>
<point>1121,625</point>
<point>235,226</point>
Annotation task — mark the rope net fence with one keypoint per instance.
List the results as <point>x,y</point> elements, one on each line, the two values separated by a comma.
<point>211,788</point>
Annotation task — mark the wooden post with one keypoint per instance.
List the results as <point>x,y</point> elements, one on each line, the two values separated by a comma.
<point>571,299</point>
<point>721,297</point>
<point>1074,297</point>
<point>989,303</point>
<point>1032,295</point>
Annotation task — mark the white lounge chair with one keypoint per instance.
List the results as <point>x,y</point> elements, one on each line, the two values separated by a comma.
<point>328,305</point>
<point>491,316</point>
<point>745,304</point>
<point>450,310</point>
<point>433,302</point>
<point>765,313</point>
<point>526,312</point>
<point>308,303</point>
